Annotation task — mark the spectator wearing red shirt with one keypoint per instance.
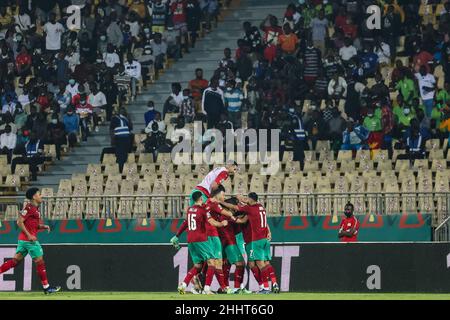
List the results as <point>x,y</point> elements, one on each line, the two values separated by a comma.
<point>197,86</point>
<point>422,58</point>
<point>271,34</point>
<point>350,29</point>
<point>349,227</point>
<point>23,62</point>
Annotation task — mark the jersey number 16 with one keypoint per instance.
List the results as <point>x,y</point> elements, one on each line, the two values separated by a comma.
<point>192,224</point>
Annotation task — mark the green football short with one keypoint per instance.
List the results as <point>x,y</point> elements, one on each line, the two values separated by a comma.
<point>259,250</point>
<point>216,247</point>
<point>240,243</point>
<point>200,251</point>
<point>191,201</point>
<point>28,247</point>
<point>233,254</point>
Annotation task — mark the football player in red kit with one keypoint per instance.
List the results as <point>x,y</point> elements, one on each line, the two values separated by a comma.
<point>349,227</point>
<point>29,222</point>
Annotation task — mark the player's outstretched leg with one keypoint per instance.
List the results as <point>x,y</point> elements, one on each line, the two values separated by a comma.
<point>11,263</point>
<point>209,277</point>
<point>42,273</point>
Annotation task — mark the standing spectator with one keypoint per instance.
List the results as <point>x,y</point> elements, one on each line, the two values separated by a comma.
<point>113,32</point>
<point>213,103</point>
<point>288,41</point>
<point>111,91</point>
<point>297,135</point>
<point>311,59</point>
<point>121,128</point>
<point>271,36</point>
<point>173,41</point>
<point>319,27</point>
<point>72,126</point>
<point>159,16</point>
<point>133,69</point>
<point>187,108</point>
<point>233,102</point>
<point>23,20</point>
<point>62,68</point>
<point>197,86</point>
<point>427,87</point>
<point>53,31</point>
<point>349,226</point>
<point>8,141</point>
<point>354,137</point>
<point>193,15</point>
<point>178,12</point>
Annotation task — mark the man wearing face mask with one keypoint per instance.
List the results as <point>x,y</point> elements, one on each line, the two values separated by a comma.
<point>133,70</point>
<point>349,227</point>
<point>233,102</point>
<point>84,110</point>
<point>146,58</point>
<point>8,141</point>
<point>56,134</point>
<point>150,114</point>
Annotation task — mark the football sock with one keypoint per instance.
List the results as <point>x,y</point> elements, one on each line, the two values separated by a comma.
<point>265,276</point>
<point>272,275</point>
<point>256,274</point>
<point>220,278</point>
<point>190,275</point>
<point>8,265</point>
<point>238,276</point>
<point>226,274</point>
<point>42,272</point>
<point>209,276</point>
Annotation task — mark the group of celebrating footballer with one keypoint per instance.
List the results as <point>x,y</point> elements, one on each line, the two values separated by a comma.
<point>216,232</point>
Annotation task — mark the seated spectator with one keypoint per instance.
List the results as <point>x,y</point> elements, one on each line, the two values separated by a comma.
<point>383,51</point>
<point>33,156</point>
<point>72,87</point>
<point>56,134</point>
<point>354,137</point>
<point>172,39</point>
<point>72,126</point>
<point>84,110</point>
<point>337,87</point>
<point>123,81</point>
<point>146,58</point>
<point>150,114</point>
<point>173,102</point>
<point>159,121</point>
<point>111,58</point>
<point>187,108</point>
<point>98,101</point>
<point>159,48</point>
<point>9,105</point>
<point>348,51</point>
<point>23,62</point>
<point>8,142</point>
<point>133,69</point>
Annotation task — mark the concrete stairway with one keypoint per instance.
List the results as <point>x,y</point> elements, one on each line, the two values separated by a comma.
<point>206,55</point>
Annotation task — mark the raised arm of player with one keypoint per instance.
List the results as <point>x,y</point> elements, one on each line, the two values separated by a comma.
<point>242,220</point>
<point>229,206</point>
<point>20,223</point>
<point>182,228</point>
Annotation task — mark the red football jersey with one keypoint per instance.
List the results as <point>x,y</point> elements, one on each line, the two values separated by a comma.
<point>258,221</point>
<point>226,234</point>
<point>347,224</point>
<point>246,232</point>
<point>215,209</point>
<point>32,219</point>
<point>197,219</point>
<point>178,12</point>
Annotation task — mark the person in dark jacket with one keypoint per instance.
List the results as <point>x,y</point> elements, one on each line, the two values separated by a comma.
<point>121,128</point>
<point>213,103</point>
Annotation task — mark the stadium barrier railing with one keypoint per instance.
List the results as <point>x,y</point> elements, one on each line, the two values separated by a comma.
<point>277,204</point>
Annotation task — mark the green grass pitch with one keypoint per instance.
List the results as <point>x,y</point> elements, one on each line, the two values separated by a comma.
<point>175,296</point>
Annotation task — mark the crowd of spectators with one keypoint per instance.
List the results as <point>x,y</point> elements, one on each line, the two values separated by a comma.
<point>319,73</point>
<point>57,85</point>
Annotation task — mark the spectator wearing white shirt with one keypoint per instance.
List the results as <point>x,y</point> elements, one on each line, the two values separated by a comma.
<point>173,102</point>
<point>53,31</point>
<point>427,87</point>
<point>72,57</point>
<point>110,57</point>
<point>133,69</point>
<point>97,100</point>
<point>337,87</point>
<point>9,106</point>
<point>23,20</point>
<point>348,51</point>
<point>72,87</point>
<point>383,51</point>
<point>8,142</point>
<point>159,121</point>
